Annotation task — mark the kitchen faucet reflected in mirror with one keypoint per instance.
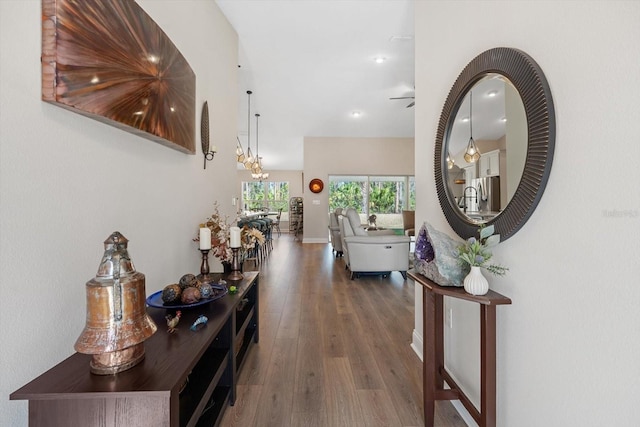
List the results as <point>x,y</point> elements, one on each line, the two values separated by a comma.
<point>480,201</point>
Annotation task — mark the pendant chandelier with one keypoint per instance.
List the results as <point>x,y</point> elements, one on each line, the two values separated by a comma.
<point>249,159</point>
<point>239,151</point>
<point>260,176</point>
<point>471,154</point>
<point>256,167</point>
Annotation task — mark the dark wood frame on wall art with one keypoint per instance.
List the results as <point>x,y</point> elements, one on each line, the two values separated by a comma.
<point>110,61</point>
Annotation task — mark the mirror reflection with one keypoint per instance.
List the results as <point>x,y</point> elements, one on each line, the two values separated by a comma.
<point>490,121</point>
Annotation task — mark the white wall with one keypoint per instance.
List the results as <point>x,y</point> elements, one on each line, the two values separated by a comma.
<point>348,156</point>
<point>568,347</point>
<point>68,181</point>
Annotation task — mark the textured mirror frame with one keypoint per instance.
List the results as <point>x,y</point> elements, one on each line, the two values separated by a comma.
<point>527,77</point>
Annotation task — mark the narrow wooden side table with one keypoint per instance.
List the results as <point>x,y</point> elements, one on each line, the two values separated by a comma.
<point>434,373</point>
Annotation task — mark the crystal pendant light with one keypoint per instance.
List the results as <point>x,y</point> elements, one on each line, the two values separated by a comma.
<point>261,176</point>
<point>248,160</point>
<point>256,169</point>
<point>264,175</point>
<point>239,151</point>
<point>471,154</point>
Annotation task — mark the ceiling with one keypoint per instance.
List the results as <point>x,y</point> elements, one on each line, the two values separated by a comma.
<point>310,64</point>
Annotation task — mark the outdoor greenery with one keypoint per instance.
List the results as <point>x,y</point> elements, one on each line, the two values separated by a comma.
<point>271,195</point>
<point>384,196</point>
<point>347,194</point>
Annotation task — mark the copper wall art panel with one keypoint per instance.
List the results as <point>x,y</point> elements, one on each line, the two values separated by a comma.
<point>110,61</point>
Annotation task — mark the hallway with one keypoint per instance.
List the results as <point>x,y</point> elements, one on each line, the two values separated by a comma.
<point>332,351</point>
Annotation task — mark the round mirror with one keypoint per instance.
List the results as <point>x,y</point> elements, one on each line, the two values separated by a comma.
<point>491,114</point>
<point>494,145</point>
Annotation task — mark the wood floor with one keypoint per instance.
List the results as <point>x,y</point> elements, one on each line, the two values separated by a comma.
<point>333,352</point>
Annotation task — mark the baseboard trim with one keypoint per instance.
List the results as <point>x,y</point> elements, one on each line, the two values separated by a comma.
<point>416,345</point>
<point>315,240</point>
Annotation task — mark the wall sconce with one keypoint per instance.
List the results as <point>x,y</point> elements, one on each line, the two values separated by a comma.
<point>209,154</point>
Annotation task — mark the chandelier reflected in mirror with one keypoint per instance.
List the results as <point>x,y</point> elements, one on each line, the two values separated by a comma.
<point>471,154</point>
<point>450,161</point>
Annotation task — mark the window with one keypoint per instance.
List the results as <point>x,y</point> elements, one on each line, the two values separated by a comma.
<point>278,196</point>
<point>253,195</point>
<point>271,196</point>
<point>383,196</point>
<point>412,194</point>
<point>347,191</point>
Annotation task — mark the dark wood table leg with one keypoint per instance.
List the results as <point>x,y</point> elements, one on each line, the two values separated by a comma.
<point>488,365</point>
<point>429,376</point>
<point>439,341</point>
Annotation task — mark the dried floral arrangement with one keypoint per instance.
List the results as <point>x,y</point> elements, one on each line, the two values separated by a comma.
<point>220,227</point>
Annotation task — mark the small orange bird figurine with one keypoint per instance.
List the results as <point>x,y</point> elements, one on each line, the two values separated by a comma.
<point>172,321</point>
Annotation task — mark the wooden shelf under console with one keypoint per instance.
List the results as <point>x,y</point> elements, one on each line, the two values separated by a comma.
<point>186,379</point>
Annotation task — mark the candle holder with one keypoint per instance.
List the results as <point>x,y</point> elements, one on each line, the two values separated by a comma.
<point>235,266</point>
<point>204,266</point>
<point>205,276</point>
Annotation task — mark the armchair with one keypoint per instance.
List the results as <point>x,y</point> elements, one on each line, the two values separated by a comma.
<point>372,251</point>
<point>334,232</point>
<point>409,222</point>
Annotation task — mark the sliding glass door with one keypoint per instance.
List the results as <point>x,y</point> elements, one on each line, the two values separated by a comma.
<point>383,196</point>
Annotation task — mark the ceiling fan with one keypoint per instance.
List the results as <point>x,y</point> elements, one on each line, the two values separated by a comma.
<point>411,104</point>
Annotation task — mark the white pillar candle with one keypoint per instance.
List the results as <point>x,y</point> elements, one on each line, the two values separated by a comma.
<point>205,238</point>
<point>235,237</point>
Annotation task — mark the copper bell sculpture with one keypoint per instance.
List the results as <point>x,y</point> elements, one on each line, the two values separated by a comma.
<point>117,321</point>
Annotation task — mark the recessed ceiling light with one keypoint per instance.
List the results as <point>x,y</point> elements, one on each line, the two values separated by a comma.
<point>492,93</point>
<point>504,119</point>
<point>356,113</point>
<point>379,59</point>
<point>465,119</point>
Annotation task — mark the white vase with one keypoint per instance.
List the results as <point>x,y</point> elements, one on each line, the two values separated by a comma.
<point>475,283</point>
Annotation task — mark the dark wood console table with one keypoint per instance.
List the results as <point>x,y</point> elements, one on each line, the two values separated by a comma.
<point>186,379</point>
<point>434,373</point>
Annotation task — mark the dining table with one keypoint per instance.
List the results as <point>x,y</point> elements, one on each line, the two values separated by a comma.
<point>257,214</point>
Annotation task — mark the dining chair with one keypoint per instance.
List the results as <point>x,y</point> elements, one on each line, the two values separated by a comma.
<point>276,222</point>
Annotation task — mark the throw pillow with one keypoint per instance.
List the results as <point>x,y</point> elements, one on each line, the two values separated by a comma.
<point>435,257</point>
